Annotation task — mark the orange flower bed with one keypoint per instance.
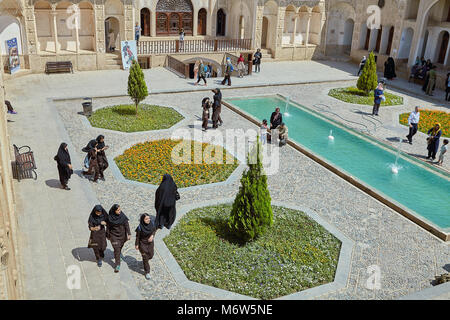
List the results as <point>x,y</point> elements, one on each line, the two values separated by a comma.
<point>428,119</point>
<point>148,162</point>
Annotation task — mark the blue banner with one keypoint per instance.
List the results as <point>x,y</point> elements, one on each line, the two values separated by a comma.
<point>13,51</point>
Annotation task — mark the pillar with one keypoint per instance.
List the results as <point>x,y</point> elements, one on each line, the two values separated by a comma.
<point>195,22</point>
<point>258,26</point>
<point>77,29</point>
<point>307,28</point>
<point>55,28</point>
<point>153,23</point>
<point>295,30</point>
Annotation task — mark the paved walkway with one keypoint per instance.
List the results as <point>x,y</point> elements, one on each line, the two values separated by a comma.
<point>53,222</point>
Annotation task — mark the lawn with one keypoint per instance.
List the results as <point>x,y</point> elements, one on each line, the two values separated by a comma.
<point>356,96</point>
<point>123,118</point>
<point>148,162</point>
<point>295,254</point>
<point>428,119</point>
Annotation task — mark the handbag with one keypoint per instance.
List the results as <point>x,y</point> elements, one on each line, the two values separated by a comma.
<point>86,162</point>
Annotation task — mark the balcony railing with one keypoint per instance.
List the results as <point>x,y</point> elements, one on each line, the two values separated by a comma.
<point>148,47</point>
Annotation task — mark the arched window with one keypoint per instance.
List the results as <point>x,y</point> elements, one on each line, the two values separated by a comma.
<point>221,20</point>
<point>201,29</point>
<point>173,15</point>
<point>442,47</point>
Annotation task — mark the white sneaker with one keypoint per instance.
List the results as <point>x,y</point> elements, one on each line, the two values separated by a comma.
<point>147,276</point>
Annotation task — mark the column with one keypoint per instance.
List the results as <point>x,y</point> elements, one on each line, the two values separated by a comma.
<point>55,28</point>
<point>419,29</point>
<point>77,27</point>
<point>294,32</point>
<point>307,28</point>
<point>152,23</point>
<point>195,22</point>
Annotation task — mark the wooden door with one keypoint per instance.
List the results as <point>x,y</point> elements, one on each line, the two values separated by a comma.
<point>145,22</point>
<point>201,22</point>
<point>391,38</point>
<point>378,45</point>
<point>366,45</point>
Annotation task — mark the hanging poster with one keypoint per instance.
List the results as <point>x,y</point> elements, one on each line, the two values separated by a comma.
<point>13,51</point>
<point>129,53</point>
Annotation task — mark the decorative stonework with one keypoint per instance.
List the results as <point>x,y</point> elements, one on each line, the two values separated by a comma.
<point>174,6</point>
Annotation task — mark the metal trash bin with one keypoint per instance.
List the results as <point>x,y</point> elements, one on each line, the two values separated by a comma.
<point>87,106</point>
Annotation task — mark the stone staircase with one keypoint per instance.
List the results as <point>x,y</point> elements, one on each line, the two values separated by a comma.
<point>113,61</point>
<point>267,56</point>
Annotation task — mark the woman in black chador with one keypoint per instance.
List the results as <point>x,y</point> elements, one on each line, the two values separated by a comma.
<point>97,225</point>
<point>145,233</point>
<point>389,69</point>
<point>64,165</point>
<point>118,232</point>
<point>165,202</point>
<point>102,160</point>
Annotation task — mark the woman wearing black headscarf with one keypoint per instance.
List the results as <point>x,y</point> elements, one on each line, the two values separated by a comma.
<point>165,202</point>
<point>97,240</point>
<point>389,69</point>
<point>118,232</point>
<point>217,108</point>
<point>145,233</point>
<point>64,165</point>
<point>102,160</point>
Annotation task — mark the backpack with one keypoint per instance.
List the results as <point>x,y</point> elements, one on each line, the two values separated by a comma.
<point>205,68</point>
<point>231,68</point>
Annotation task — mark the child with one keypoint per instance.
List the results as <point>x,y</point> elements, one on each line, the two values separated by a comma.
<point>443,152</point>
<point>263,131</point>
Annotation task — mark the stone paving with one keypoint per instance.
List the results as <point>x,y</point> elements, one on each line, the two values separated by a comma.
<point>408,256</point>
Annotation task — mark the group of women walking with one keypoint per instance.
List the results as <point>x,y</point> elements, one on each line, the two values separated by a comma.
<point>115,226</point>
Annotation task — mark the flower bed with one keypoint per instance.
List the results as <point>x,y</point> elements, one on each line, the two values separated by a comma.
<point>148,162</point>
<point>123,118</point>
<point>428,119</point>
<point>356,96</point>
<point>295,254</point>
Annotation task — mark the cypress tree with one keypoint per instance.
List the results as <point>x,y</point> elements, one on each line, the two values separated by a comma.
<point>252,212</point>
<point>368,80</point>
<point>137,88</point>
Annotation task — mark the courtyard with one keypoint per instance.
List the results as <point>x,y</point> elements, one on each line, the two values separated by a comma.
<point>53,222</point>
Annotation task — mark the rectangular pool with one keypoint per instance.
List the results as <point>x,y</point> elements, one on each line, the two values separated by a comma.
<point>417,188</point>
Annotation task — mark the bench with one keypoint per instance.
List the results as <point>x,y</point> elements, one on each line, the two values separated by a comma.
<point>59,66</point>
<point>24,164</point>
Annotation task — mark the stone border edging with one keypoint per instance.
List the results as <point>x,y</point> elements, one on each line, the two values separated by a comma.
<point>444,236</point>
<point>340,279</point>
<point>430,293</point>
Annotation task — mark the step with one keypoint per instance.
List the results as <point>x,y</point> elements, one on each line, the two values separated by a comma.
<point>113,67</point>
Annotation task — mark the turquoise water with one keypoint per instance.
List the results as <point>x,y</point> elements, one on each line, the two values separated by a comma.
<point>414,187</point>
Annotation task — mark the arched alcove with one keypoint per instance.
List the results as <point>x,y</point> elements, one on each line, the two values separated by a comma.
<point>221,22</point>
<point>202,18</point>
<point>405,43</point>
<point>9,29</point>
<point>145,22</point>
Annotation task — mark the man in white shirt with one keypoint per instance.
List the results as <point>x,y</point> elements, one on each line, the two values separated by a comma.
<point>413,123</point>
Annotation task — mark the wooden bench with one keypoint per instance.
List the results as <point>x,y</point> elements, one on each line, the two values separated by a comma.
<point>25,164</point>
<point>59,66</point>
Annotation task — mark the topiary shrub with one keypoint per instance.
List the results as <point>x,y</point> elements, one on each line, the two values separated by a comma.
<point>137,88</point>
<point>252,212</point>
<point>368,80</point>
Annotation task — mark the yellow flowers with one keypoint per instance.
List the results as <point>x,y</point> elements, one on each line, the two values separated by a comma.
<point>148,162</point>
<point>428,119</point>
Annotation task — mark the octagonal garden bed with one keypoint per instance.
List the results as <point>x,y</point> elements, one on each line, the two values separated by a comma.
<point>295,254</point>
<point>147,162</point>
<point>123,118</point>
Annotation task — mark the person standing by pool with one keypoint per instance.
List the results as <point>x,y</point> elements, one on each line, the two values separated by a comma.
<point>118,232</point>
<point>217,108</point>
<point>378,97</point>
<point>97,226</point>
<point>413,123</point>
<point>263,132</point>
<point>443,152</point>
<point>433,141</point>
<point>165,202</point>
<point>64,165</point>
<point>145,233</point>
<point>276,119</point>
